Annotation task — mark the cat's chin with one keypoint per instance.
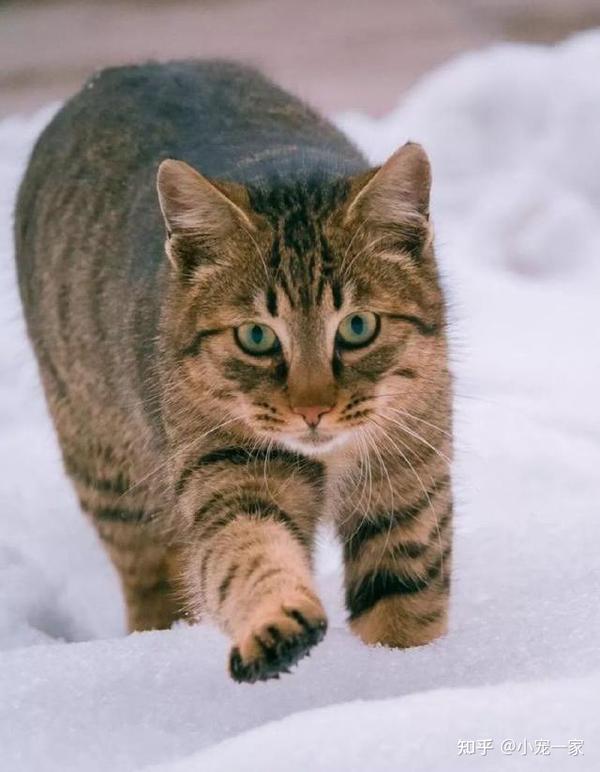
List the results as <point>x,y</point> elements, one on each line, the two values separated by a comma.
<point>314,444</point>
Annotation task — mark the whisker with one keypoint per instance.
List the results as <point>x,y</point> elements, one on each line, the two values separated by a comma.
<point>168,461</point>
<point>423,488</point>
<point>416,436</point>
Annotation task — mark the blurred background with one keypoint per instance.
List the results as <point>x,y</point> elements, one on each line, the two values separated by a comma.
<point>337,54</point>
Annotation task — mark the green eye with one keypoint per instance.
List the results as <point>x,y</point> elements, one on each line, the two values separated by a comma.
<point>257,339</point>
<point>357,329</point>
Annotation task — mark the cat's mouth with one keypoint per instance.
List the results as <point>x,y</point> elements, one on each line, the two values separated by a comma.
<point>313,437</point>
<point>315,441</point>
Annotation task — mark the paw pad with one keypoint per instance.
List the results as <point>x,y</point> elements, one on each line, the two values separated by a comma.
<point>276,646</point>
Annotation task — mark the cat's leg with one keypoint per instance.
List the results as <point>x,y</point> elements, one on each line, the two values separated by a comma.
<point>251,525</point>
<point>146,567</point>
<point>397,556</point>
<point>133,533</point>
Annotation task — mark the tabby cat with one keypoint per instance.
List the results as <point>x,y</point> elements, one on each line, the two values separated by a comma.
<point>283,362</point>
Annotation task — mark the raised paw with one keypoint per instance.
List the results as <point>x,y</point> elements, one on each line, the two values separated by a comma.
<point>277,639</point>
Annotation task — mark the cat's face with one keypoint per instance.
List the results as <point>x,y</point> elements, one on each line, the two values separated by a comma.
<point>310,313</point>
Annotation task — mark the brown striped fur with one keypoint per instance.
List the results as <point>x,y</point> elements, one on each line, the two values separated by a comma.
<point>191,456</point>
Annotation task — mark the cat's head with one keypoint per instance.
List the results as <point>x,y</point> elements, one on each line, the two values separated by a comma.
<point>307,310</point>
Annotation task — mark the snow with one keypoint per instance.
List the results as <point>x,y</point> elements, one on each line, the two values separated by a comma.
<point>513,136</point>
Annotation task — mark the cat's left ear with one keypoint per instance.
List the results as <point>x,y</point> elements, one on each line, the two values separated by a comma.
<point>396,194</point>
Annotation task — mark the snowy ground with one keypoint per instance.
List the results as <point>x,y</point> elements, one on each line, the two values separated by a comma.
<point>514,136</point>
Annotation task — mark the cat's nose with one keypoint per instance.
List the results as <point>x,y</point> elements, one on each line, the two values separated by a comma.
<point>312,413</point>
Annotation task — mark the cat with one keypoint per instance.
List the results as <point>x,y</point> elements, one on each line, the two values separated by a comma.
<point>240,332</point>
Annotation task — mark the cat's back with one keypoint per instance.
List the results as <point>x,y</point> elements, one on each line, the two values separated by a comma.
<point>214,114</point>
<point>90,185</point>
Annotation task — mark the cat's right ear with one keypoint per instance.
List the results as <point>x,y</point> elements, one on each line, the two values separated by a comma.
<point>200,215</point>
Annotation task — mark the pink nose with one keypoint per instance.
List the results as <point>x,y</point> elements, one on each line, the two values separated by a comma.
<point>312,413</point>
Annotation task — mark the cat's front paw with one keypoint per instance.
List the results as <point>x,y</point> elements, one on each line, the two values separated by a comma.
<point>277,638</point>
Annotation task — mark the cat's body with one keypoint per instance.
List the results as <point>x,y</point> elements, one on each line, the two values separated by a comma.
<point>176,424</point>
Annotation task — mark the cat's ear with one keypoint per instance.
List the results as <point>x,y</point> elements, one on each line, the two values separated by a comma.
<point>396,195</point>
<point>199,214</point>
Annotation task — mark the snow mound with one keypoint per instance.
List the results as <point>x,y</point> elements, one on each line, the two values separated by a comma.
<point>513,136</point>
<point>359,736</point>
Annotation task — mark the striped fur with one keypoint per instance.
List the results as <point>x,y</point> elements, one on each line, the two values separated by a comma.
<point>191,456</point>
